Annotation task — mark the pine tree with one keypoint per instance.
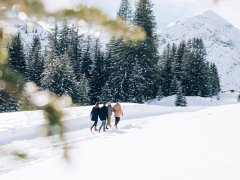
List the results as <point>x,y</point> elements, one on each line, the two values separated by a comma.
<point>75,50</point>
<point>186,70</point>
<point>180,98</point>
<point>117,69</point>
<point>215,81</point>
<point>166,75</point>
<point>173,55</point>
<point>13,104</point>
<point>2,101</point>
<point>125,11</point>
<point>17,55</point>
<point>96,80</point>
<point>206,89</point>
<point>195,70</point>
<point>8,102</point>
<point>120,57</point>
<point>63,39</point>
<point>106,95</point>
<point>136,93</point>
<point>17,62</point>
<point>146,52</point>
<point>179,60</point>
<point>58,76</point>
<point>173,87</point>
<point>145,18</point>
<point>159,93</point>
<point>35,62</point>
<point>87,62</point>
<point>108,61</point>
<point>50,62</point>
<point>197,66</point>
<point>202,84</point>
<point>53,39</point>
<point>83,91</point>
<point>124,57</point>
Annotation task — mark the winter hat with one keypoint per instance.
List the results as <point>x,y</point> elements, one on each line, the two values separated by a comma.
<point>109,103</point>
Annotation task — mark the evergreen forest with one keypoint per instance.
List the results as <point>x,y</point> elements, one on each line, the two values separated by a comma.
<point>81,66</point>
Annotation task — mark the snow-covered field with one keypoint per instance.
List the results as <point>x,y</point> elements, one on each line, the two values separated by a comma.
<point>154,141</point>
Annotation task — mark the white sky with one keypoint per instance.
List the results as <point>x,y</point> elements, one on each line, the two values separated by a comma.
<point>166,10</point>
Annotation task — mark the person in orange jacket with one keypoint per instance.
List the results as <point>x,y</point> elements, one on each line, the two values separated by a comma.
<point>117,112</point>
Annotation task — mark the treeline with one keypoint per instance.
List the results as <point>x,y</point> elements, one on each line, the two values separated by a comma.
<point>78,65</point>
<point>186,64</point>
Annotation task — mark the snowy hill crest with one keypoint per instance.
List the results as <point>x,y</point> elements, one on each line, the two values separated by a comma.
<point>222,41</point>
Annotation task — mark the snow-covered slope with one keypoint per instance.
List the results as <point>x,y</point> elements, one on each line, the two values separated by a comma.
<point>28,31</point>
<point>222,41</point>
<point>153,142</point>
<point>28,124</point>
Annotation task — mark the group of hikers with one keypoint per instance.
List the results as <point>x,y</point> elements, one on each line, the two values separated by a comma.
<point>104,114</point>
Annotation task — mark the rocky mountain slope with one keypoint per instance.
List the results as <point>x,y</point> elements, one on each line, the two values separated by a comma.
<point>222,41</point>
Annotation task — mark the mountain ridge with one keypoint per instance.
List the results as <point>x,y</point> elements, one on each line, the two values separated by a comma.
<point>221,39</point>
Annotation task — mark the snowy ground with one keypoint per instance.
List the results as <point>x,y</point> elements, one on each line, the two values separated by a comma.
<point>157,141</point>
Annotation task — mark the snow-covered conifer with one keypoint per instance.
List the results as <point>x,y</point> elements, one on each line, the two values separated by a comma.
<point>146,52</point>
<point>180,98</point>
<point>97,79</point>
<point>106,95</point>
<point>159,93</point>
<point>17,56</point>
<point>83,90</point>
<point>35,62</point>
<point>87,62</point>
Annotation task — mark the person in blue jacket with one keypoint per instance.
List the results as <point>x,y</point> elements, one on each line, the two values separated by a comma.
<point>95,113</point>
<point>103,116</point>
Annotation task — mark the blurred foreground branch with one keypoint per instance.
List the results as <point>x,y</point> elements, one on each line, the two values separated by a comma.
<point>12,82</point>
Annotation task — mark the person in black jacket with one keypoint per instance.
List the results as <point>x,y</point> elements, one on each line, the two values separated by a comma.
<point>103,116</point>
<point>95,113</point>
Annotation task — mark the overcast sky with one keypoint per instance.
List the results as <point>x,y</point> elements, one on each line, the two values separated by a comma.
<point>168,10</point>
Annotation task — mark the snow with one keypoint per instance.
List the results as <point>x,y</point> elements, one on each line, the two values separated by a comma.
<point>28,30</point>
<point>222,41</point>
<point>154,141</point>
<point>193,101</point>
